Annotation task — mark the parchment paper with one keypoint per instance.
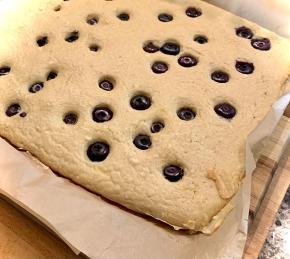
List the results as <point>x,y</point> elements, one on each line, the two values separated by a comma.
<point>271,14</point>
<point>99,229</point>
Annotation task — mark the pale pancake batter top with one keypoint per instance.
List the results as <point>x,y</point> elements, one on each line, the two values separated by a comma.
<point>147,103</point>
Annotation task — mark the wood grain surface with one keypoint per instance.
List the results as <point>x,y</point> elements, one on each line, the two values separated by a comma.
<point>266,214</point>
<point>270,182</point>
<point>23,238</point>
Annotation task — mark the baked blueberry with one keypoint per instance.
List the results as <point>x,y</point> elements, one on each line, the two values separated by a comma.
<point>150,47</point>
<point>73,36</point>
<point>123,16</point>
<point>140,102</point>
<point>98,151</point>
<point>4,70</point>
<point>170,48</point>
<point>13,109</point>
<point>186,114</point>
<point>42,41</point>
<point>142,142</point>
<point>70,118</point>
<point>244,32</point>
<point>187,61</point>
<point>225,110</point>
<point>52,75</point>
<point>220,76</point>
<point>106,85</point>
<point>92,21</point>
<point>157,127</point>
<point>102,114</point>
<point>159,67</point>
<point>173,173</point>
<point>165,17</point>
<point>200,39</point>
<point>36,87</point>
<point>57,8</point>
<point>244,67</point>
<point>23,114</point>
<point>193,12</point>
<point>94,47</point>
<point>261,44</point>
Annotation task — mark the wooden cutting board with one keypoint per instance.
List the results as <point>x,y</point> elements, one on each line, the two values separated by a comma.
<point>270,182</point>
<point>23,238</point>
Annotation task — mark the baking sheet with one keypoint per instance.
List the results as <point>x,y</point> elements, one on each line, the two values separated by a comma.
<point>99,229</point>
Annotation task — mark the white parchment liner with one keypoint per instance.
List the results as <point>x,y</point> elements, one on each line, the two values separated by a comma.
<point>90,225</point>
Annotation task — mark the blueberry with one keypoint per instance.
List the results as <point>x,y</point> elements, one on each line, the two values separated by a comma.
<point>13,109</point>
<point>225,110</point>
<point>159,67</point>
<point>193,12</point>
<point>73,36</point>
<point>123,16</point>
<point>4,71</point>
<point>157,127</point>
<point>102,114</point>
<point>170,48</point>
<point>164,17</point>
<point>98,151</point>
<point>173,173</point>
<point>94,47</point>
<point>140,102</point>
<point>70,118</point>
<point>187,61</point>
<point>106,85</point>
<point>142,142</point>
<point>23,114</point>
<point>186,114</point>
<point>244,32</point>
<point>150,47</point>
<point>220,76</point>
<point>36,87</point>
<point>42,41</point>
<point>244,67</point>
<point>261,44</point>
<point>201,39</point>
<point>92,21</point>
<point>52,75</point>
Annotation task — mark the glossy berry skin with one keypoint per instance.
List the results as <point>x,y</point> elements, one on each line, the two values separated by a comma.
<point>244,32</point>
<point>263,44</point>
<point>102,114</point>
<point>186,114</point>
<point>159,67</point>
<point>140,102</point>
<point>164,17</point>
<point>98,151</point>
<point>220,76</point>
<point>170,48</point>
<point>225,110</point>
<point>173,173</point>
<point>157,127</point>
<point>244,67</point>
<point>70,118</point>
<point>142,142</point>
<point>187,61</point>
<point>193,12</point>
<point>13,109</point>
